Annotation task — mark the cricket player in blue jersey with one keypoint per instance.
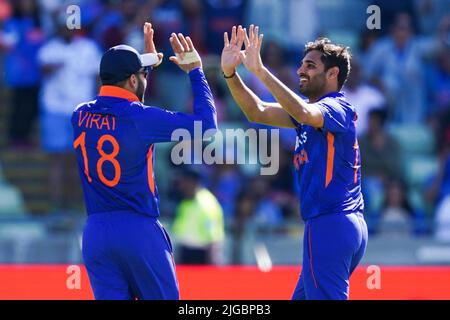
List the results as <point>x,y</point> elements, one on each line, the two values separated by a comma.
<point>127,252</point>
<point>326,157</point>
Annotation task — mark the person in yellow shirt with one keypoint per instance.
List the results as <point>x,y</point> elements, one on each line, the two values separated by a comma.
<point>198,227</point>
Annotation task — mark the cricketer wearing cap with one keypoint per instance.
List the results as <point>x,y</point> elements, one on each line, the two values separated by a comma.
<point>127,252</point>
<point>326,157</point>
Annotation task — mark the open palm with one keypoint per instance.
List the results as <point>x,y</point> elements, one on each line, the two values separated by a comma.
<point>149,45</point>
<point>251,56</point>
<point>230,58</point>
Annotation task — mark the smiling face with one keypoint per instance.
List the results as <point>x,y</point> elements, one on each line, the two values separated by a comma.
<point>312,75</point>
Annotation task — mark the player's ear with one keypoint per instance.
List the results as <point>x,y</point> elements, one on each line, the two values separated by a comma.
<point>333,73</point>
<point>133,81</point>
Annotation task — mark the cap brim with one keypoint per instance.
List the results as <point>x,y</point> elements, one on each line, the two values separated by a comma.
<point>149,59</point>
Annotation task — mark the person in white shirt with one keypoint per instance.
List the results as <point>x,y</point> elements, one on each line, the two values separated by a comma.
<point>69,64</point>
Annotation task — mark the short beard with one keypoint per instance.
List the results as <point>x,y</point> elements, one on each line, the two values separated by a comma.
<point>140,91</point>
<point>315,87</point>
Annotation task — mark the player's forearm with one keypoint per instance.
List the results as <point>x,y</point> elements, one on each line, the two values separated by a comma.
<point>203,99</point>
<point>245,98</point>
<point>289,101</point>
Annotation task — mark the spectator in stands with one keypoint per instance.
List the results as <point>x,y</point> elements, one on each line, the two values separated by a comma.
<point>221,15</point>
<point>226,184</point>
<point>280,19</point>
<point>21,39</point>
<point>69,64</point>
<point>390,10</point>
<point>244,210</point>
<point>283,185</point>
<point>381,156</point>
<point>267,211</point>
<point>199,223</point>
<point>211,67</point>
<point>398,211</point>
<point>367,38</point>
<point>362,95</point>
<point>429,14</point>
<point>395,63</point>
<point>119,23</point>
<point>380,151</point>
<point>170,15</point>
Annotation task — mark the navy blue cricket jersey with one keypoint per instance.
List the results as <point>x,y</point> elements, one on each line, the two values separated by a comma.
<point>328,161</point>
<point>114,138</point>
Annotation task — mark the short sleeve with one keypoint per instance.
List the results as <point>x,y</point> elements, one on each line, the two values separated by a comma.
<point>336,116</point>
<point>295,122</point>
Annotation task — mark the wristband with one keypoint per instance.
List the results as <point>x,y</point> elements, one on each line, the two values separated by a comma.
<point>229,77</point>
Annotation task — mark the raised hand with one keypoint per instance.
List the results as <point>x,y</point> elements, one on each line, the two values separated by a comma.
<point>149,45</point>
<point>186,57</point>
<point>230,58</point>
<point>251,56</point>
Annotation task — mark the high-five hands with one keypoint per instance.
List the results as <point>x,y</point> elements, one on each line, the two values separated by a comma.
<point>230,58</point>
<point>251,56</point>
<point>233,56</point>
<point>149,45</point>
<point>186,57</point>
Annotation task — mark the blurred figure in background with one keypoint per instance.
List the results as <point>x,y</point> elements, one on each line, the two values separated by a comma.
<point>221,15</point>
<point>21,39</point>
<point>199,223</point>
<point>364,96</point>
<point>283,186</point>
<point>227,182</point>
<point>395,64</point>
<point>382,161</point>
<point>69,64</point>
<point>170,15</point>
<point>398,210</point>
<point>267,211</point>
<point>244,211</point>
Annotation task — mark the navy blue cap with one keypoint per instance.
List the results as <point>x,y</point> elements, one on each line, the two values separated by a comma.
<point>120,62</point>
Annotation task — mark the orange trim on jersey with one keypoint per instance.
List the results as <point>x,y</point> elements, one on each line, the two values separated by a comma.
<point>330,158</point>
<point>117,92</point>
<point>151,180</point>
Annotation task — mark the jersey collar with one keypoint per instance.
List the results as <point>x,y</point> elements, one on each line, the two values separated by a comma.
<point>117,92</point>
<point>334,94</point>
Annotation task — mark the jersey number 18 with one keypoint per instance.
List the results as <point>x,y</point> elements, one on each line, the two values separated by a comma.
<point>111,157</point>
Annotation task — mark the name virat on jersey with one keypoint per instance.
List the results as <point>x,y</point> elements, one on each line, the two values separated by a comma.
<point>90,120</point>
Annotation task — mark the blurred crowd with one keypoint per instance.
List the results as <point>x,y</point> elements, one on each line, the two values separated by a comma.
<point>399,83</point>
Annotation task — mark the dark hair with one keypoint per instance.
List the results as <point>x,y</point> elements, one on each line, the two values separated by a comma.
<point>35,15</point>
<point>120,83</point>
<point>379,113</point>
<point>333,55</point>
